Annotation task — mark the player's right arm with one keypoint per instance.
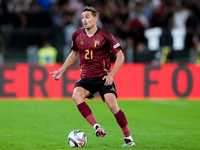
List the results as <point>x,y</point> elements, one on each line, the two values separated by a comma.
<point>68,62</point>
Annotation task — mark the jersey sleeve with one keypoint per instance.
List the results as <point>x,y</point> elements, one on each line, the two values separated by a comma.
<point>73,45</point>
<point>115,47</point>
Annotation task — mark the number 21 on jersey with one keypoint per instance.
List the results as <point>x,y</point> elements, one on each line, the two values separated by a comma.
<point>88,54</point>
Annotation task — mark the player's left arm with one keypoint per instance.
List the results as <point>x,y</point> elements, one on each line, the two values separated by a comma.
<point>118,63</point>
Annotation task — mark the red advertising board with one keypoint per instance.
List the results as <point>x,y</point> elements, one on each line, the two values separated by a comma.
<point>133,81</point>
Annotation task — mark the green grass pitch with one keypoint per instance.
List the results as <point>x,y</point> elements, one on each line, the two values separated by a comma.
<point>45,125</point>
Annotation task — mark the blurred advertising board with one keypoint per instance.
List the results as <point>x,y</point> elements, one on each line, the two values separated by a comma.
<point>133,81</point>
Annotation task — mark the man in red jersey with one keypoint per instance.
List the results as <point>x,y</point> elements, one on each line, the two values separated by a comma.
<point>93,45</point>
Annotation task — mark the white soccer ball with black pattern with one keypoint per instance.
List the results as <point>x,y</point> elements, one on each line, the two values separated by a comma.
<point>77,138</point>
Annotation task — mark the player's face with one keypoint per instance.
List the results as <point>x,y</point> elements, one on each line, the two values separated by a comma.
<point>88,20</point>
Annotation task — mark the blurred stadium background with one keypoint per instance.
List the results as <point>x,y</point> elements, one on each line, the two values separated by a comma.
<point>144,28</point>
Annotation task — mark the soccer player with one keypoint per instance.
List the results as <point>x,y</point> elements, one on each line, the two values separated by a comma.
<point>93,45</point>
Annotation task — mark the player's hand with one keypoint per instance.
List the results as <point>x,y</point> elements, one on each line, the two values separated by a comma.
<point>56,75</point>
<point>109,80</point>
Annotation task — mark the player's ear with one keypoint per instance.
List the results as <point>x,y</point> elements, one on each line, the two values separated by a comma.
<point>96,18</point>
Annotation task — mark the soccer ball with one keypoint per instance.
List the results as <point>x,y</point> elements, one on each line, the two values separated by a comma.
<point>77,138</point>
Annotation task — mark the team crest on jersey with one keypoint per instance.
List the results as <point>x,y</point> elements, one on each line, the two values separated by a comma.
<point>96,43</point>
<point>81,43</point>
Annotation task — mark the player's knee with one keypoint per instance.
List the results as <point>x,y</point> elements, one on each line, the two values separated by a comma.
<point>76,99</point>
<point>113,107</point>
<point>75,96</point>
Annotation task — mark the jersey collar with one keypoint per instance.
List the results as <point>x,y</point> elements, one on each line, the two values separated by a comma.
<point>94,33</point>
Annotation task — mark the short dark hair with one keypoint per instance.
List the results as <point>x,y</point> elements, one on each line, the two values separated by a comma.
<point>95,13</point>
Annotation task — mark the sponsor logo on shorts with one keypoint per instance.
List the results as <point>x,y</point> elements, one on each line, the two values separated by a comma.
<point>112,89</point>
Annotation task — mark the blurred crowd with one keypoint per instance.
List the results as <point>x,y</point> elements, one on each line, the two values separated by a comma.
<point>127,20</point>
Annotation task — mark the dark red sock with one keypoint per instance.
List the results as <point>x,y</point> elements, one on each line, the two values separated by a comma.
<point>122,121</point>
<point>86,112</point>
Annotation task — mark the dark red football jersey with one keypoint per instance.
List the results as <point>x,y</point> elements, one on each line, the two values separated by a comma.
<point>94,51</point>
